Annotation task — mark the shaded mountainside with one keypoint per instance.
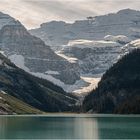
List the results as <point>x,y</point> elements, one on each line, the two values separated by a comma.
<point>34,91</point>
<point>119,89</point>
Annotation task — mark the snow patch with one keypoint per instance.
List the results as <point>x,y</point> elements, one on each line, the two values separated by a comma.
<point>135,43</point>
<point>93,82</point>
<point>77,42</point>
<point>70,59</point>
<point>3,92</point>
<point>91,44</point>
<point>52,72</point>
<point>18,60</point>
<point>2,52</point>
<point>119,38</point>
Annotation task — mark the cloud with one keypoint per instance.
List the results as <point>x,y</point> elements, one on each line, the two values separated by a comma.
<point>34,12</point>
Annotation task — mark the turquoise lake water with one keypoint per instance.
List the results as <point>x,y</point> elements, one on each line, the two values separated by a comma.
<point>70,127</point>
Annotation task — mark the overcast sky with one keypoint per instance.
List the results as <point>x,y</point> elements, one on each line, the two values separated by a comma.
<point>34,12</point>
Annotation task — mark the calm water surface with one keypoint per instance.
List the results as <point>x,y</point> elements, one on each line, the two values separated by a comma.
<point>70,127</point>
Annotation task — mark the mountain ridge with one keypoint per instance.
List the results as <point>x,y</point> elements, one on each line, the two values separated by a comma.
<point>84,29</point>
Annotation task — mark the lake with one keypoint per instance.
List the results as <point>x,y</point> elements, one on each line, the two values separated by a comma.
<point>70,127</point>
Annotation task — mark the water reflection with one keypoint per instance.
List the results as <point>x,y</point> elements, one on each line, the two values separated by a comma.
<point>69,127</point>
<point>3,125</point>
<point>119,127</point>
<point>86,128</point>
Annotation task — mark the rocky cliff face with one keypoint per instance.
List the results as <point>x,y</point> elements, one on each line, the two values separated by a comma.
<point>93,57</point>
<point>119,89</point>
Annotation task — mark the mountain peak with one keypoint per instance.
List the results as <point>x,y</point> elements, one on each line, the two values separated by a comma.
<point>13,29</point>
<point>53,23</point>
<point>3,14</point>
<point>128,11</point>
<point>14,22</point>
<point>5,19</point>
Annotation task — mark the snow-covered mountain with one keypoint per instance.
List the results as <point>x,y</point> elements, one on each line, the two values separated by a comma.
<point>94,45</point>
<point>31,54</point>
<point>84,50</point>
<point>56,33</point>
<point>94,57</point>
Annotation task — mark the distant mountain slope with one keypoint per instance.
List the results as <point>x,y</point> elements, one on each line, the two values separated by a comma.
<point>36,92</point>
<point>119,89</point>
